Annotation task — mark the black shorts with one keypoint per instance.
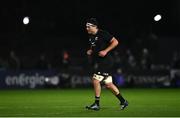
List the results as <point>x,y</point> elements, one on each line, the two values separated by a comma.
<point>103,64</point>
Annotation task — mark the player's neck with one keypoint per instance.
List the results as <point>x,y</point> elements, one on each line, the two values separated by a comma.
<point>95,31</point>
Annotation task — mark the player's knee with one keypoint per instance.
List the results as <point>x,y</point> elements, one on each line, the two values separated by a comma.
<point>95,81</point>
<point>109,85</point>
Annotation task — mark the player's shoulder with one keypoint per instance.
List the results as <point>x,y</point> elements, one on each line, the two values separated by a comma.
<point>105,33</point>
<point>102,31</point>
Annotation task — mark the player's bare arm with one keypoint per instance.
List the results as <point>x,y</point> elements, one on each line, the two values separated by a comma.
<point>113,43</point>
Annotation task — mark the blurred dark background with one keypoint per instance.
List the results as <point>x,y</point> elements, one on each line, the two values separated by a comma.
<point>55,37</point>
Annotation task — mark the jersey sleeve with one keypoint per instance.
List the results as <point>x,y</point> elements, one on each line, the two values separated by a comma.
<point>107,36</point>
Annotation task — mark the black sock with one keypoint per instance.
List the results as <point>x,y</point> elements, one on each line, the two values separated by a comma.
<point>97,100</point>
<point>121,99</point>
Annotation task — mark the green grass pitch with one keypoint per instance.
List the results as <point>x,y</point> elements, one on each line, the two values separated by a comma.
<point>69,102</point>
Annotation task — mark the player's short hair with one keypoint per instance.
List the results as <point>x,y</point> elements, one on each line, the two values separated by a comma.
<point>92,21</point>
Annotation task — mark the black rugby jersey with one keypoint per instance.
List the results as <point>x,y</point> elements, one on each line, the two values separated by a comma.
<point>100,41</point>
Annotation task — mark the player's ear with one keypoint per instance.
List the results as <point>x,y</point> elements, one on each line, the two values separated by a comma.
<point>95,26</point>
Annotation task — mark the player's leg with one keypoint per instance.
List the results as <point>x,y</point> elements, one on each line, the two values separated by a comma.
<point>109,84</point>
<point>97,89</point>
<point>113,88</point>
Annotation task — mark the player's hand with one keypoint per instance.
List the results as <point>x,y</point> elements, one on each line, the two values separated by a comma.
<point>89,52</point>
<point>103,53</point>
